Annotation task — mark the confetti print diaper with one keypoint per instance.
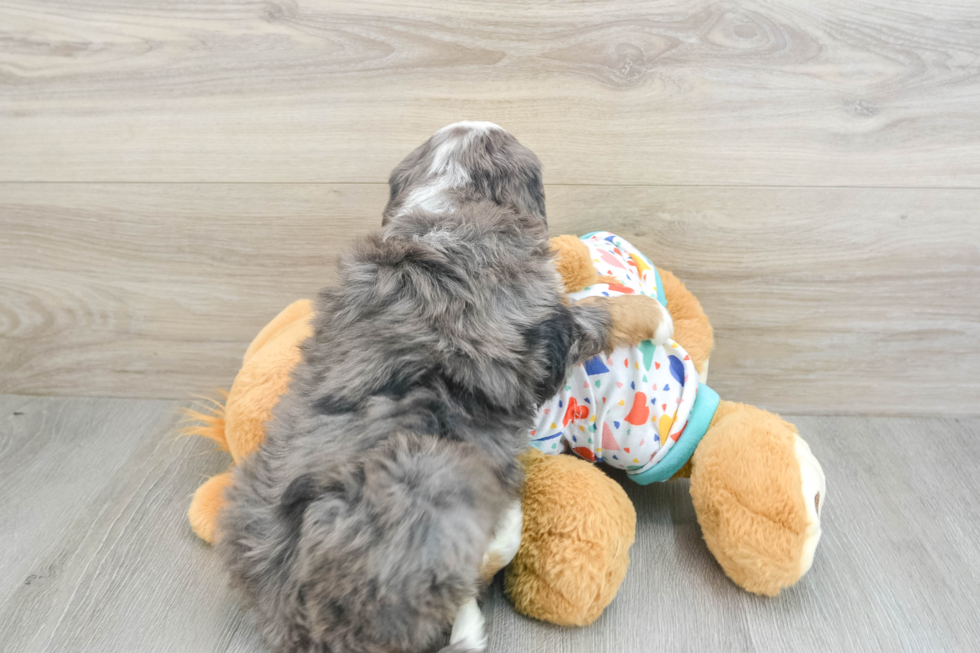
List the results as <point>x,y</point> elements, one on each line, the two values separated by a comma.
<point>629,408</point>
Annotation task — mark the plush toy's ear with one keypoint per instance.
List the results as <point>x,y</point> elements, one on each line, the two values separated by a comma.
<point>692,330</point>
<point>574,263</point>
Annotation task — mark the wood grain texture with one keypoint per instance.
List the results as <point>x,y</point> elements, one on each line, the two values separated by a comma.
<point>96,555</point>
<point>855,92</point>
<point>810,170</point>
<point>823,300</point>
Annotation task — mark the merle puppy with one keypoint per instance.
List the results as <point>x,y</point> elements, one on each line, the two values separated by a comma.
<point>361,523</point>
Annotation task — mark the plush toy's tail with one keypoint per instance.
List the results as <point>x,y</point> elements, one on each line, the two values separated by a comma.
<point>210,420</point>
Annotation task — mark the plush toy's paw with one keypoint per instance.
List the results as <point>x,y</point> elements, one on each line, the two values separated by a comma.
<point>208,500</point>
<point>578,528</point>
<point>636,318</point>
<point>755,487</point>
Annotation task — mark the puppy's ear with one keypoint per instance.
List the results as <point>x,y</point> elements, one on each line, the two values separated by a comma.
<point>300,492</point>
<point>551,342</point>
<point>406,175</point>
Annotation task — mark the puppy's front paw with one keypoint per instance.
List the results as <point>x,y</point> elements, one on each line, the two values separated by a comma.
<point>636,318</point>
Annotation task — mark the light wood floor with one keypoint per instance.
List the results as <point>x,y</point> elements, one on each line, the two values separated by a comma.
<point>172,173</point>
<point>98,557</point>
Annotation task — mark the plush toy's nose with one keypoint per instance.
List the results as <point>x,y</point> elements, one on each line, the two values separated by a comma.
<point>814,498</point>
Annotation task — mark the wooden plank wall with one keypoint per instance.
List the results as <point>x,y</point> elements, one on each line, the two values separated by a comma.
<point>173,173</point>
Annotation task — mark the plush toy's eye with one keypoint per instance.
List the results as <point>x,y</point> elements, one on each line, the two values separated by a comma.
<point>816,503</point>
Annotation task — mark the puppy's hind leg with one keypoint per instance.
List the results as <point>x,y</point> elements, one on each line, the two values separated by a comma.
<point>505,543</point>
<point>469,635</point>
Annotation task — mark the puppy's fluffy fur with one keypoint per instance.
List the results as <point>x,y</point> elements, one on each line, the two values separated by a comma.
<point>360,524</point>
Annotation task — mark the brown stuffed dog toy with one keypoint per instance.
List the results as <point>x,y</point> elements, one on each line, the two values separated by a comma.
<point>756,488</point>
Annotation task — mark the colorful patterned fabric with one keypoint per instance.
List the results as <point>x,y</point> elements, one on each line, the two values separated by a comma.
<point>628,409</point>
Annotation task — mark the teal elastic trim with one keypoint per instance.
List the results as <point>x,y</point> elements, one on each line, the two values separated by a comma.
<point>661,297</point>
<point>705,405</point>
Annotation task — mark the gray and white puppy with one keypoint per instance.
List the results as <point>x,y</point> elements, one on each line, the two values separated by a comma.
<point>360,524</point>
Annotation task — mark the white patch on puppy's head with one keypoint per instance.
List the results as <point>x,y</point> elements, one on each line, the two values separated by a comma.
<point>445,171</point>
<point>479,126</point>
